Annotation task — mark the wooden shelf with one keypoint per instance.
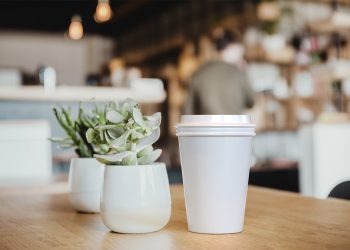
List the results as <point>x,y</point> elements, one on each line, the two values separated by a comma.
<point>310,99</point>
<point>284,100</point>
<point>266,60</point>
<point>139,56</point>
<point>285,129</point>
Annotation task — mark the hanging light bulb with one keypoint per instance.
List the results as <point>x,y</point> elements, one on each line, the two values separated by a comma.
<point>103,11</point>
<point>75,30</point>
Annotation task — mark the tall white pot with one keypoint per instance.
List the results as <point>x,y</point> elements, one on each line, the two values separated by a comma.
<point>136,199</point>
<point>85,183</point>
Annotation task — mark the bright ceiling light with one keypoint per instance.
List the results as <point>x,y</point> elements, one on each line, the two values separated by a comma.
<point>75,30</point>
<point>103,11</point>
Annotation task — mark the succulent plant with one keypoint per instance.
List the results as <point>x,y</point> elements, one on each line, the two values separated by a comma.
<point>76,129</point>
<point>126,136</point>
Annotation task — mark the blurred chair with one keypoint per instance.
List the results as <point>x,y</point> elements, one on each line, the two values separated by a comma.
<point>342,191</point>
<point>25,152</point>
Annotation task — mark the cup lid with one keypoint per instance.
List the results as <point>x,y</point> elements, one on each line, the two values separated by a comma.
<point>215,120</point>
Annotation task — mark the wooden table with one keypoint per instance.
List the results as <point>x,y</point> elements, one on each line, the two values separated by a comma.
<point>42,218</point>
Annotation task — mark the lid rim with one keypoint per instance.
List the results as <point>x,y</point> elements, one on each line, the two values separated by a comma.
<point>188,134</point>
<point>250,125</point>
<point>212,129</point>
<point>212,119</point>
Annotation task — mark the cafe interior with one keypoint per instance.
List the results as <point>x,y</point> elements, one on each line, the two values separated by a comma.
<point>295,57</point>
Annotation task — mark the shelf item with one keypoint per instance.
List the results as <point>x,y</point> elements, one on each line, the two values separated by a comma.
<point>340,68</point>
<point>311,11</point>
<point>263,76</point>
<point>304,84</point>
<point>273,43</point>
<point>281,90</point>
<point>339,21</point>
<point>334,117</point>
<point>284,55</point>
<point>273,114</point>
<point>305,115</point>
<point>346,86</point>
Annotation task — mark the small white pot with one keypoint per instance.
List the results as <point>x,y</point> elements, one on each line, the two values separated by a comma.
<point>85,183</point>
<point>136,199</point>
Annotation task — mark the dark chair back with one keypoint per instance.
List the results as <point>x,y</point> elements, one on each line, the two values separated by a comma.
<point>342,191</point>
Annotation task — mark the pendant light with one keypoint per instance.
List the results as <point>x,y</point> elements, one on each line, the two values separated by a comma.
<point>75,29</point>
<point>103,11</point>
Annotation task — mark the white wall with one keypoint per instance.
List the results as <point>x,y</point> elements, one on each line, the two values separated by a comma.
<point>73,60</point>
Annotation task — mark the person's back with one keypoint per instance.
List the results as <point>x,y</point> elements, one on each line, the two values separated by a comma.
<point>219,88</point>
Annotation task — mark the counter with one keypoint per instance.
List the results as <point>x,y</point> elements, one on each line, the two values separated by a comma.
<point>81,93</point>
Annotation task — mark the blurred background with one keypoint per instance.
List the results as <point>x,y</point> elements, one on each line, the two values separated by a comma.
<point>293,56</point>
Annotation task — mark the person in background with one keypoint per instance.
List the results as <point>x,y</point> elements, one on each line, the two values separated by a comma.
<point>221,86</point>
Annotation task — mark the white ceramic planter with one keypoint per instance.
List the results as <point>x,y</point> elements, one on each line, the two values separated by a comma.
<point>136,199</point>
<point>85,183</point>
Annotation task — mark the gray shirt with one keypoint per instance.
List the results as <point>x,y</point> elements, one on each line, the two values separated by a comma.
<point>219,88</point>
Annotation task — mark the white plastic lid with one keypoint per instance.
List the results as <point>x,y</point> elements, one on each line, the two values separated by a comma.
<point>215,120</point>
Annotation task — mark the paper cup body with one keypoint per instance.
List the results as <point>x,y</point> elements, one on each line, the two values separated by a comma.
<point>215,163</point>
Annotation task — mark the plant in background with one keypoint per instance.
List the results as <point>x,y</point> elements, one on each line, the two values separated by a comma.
<point>76,129</point>
<point>125,137</point>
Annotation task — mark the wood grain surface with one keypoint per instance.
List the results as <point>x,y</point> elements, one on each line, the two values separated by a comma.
<point>42,218</point>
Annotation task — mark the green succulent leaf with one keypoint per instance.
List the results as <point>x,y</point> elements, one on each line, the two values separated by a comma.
<point>60,140</point>
<point>115,133</point>
<point>115,117</point>
<point>114,158</point>
<point>150,157</point>
<point>120,142</point>
<point>136,135</point>
<point>110,126</point>
<point>68,117</point>
<point>154,120</point>
<point>130,160</point>
<point>149,140</point>
<point>90,135</point>
<point>147,150</point>
<point>100,149</point>
<point>137,115</point>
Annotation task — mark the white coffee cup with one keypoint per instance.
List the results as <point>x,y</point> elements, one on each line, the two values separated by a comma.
<point>215,153</point>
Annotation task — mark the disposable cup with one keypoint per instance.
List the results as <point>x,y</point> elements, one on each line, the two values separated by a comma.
<point>215,156</point>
